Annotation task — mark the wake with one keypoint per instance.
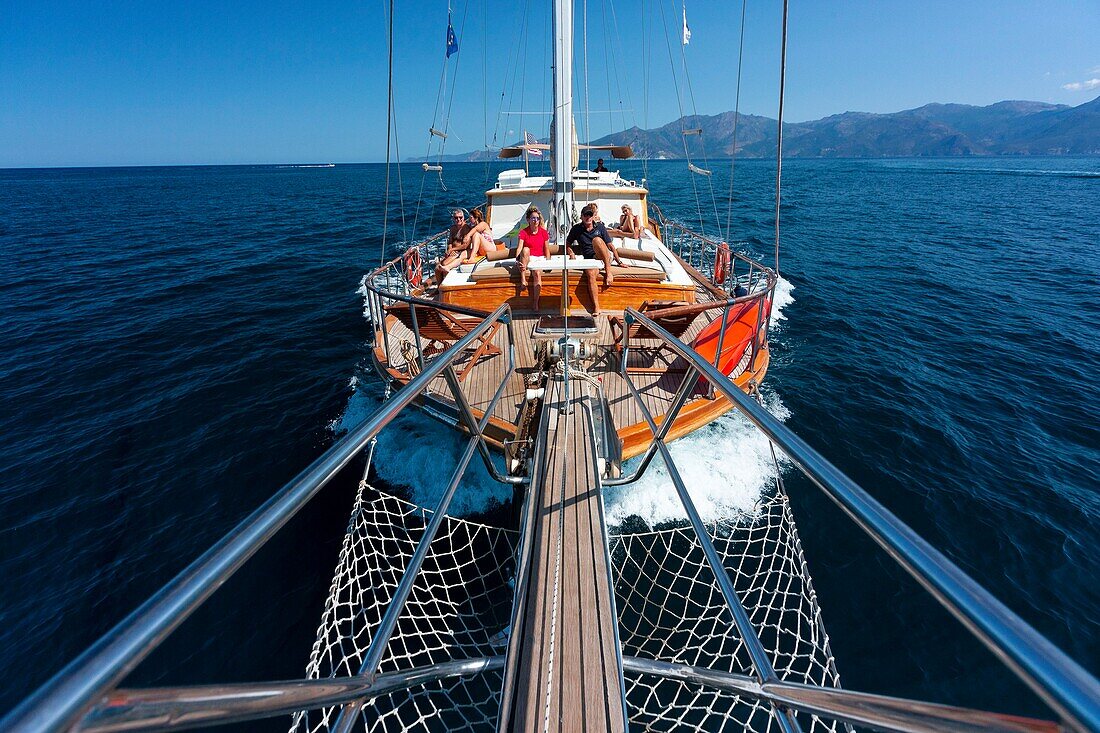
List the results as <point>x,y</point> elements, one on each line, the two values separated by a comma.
<point>727,465</point>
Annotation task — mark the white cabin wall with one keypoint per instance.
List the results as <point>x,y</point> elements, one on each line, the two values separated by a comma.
<point>515,192</point>
<point>509,209</point>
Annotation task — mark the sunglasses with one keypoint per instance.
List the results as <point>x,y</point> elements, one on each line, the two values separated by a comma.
<point>533,217</point>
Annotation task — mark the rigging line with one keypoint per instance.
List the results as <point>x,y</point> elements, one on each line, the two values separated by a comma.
<point>523,66</point>
<point>779,140</point>
<point>485,92</point>
<point>454,82</point>
<point>607,74</point>
<point>645,90</point>
<point>680,107</point>
<point>519,68</point>
<point>702,138</point>
<point>514,68</point>
<point>618,71</point>
<point>389,107</point>
<point>420,197</point>
<point>436,112</point>
<point>546,64</point>
<point>400,183</point>
<point>587,118</point>
<point>736,119</point>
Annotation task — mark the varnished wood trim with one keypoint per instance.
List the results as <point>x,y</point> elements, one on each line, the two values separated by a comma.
<point>694,415</point>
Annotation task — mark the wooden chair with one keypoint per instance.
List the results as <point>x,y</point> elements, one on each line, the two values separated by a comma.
<point>675,317</point>
<point>439,329</point>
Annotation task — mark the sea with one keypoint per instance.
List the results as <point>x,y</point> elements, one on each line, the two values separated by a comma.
<point>177,343</point>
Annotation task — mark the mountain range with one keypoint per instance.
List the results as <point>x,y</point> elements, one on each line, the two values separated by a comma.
<point>1004,128</point>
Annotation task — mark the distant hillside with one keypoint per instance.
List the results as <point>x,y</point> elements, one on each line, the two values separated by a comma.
<point>1004,128</point>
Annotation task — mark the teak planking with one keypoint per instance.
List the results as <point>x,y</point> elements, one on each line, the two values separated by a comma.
<point>657,389</point>
<point>564,665</point>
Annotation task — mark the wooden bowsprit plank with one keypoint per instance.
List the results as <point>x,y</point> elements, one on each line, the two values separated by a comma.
<point>564,663</point>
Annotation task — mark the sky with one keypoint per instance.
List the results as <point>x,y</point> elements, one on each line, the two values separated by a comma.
<point>198,82</point>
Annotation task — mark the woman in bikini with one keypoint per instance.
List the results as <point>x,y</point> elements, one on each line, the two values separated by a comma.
<point>479,240</point>
<point>630,223</point>
<point>533,240</point>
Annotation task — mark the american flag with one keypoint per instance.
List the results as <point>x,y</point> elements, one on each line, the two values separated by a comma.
<point>529,139</point>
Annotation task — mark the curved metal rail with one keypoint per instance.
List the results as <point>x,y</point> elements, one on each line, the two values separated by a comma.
<point>60,703</point>
<point>77,698</point>
<point>1064,685</point>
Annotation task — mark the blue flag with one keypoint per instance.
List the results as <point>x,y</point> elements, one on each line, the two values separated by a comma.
<point>452,39</point>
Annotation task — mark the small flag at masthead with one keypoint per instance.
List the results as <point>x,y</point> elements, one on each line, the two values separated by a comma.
<point>452,39</point>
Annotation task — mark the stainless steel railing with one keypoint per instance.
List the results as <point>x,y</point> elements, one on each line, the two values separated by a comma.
<point>1064,685</point>
<point>743,275</point>
<point>83,696</point>
<point>63,703</point>
<point>392,282</point>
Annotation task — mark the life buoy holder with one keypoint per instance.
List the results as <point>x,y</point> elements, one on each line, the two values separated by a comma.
<point>413,273</point>
<point>721,263</point>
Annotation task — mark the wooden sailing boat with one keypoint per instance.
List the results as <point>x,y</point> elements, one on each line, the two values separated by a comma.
<point>699,627</point>
<point>718,301</point>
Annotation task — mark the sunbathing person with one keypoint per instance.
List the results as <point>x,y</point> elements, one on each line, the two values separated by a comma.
<point>630,224</point>
<point>533,240</point>
<point>479,240</point>
<point>456,246</point>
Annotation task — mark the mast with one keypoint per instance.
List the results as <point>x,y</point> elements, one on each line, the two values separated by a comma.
<point>561,141</point>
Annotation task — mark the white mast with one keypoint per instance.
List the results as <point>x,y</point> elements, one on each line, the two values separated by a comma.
<point>562,132</point>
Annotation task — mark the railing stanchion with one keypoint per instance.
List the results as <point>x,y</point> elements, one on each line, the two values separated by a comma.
<point>416,335</point>
<point>1062,683</point>
<point>62,701</point>
<point>721,343</point>
<point>381,637</point>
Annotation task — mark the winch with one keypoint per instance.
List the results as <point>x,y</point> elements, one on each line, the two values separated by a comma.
<point>555,342</point>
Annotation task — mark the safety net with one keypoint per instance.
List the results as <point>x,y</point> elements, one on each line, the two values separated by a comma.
<point>670,609</point>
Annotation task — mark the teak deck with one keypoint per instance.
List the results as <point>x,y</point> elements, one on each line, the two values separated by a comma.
<point>564,671</point>
<point>657,389</point>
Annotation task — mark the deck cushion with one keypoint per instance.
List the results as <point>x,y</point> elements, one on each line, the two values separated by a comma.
<point>635,254</point>
<point>511,272</point>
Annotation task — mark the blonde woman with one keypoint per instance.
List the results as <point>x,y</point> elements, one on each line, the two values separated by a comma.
<point>630,224</point>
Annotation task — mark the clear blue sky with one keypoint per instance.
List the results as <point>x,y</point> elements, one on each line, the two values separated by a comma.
<point>139,83</point>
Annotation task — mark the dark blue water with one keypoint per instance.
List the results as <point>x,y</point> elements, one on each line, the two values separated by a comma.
<point>176,343</point>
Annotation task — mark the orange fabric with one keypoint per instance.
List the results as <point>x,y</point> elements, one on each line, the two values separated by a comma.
<point>740,329</point>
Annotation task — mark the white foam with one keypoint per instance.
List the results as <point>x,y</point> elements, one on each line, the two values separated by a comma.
<point>726,467</point>
<point>783,297</point>
<point>420,454</point>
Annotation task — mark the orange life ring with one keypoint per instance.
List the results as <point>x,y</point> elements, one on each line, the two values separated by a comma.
<point>413,272</point>
<point>721,263</point>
